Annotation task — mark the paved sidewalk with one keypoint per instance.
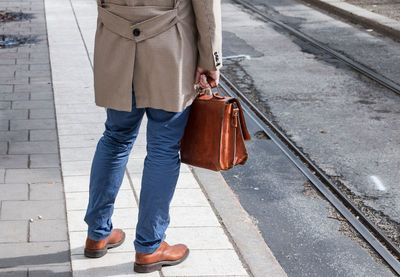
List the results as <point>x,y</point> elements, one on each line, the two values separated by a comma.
<point>30,177</point>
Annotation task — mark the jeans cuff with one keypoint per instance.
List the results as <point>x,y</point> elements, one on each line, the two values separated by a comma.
<point>147,249</point>
<point>97,237</point>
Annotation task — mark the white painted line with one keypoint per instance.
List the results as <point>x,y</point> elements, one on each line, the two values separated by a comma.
<point>247,57</point>
<point>378,183</point>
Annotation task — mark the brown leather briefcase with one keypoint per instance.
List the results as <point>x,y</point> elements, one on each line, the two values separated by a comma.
<point>215,133</point>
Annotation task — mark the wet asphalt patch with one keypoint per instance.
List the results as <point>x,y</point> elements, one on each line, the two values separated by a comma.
<point>8,41</point>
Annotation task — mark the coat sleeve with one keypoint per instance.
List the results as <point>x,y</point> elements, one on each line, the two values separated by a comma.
<point>208,21</point>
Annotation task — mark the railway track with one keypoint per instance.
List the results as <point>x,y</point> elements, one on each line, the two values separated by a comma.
<point>389,252</point>
<point>360,68</point>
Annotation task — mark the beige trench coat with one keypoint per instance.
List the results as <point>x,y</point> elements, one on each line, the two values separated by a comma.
<point>154,46</point>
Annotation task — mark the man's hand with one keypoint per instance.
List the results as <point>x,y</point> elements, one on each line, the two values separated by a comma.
<point>201,77</point>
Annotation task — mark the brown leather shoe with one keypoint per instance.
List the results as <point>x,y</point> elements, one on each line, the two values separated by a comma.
<point>164,255</point>
<point>97,249</point>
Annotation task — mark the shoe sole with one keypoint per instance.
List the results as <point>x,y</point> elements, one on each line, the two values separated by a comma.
<point>146,268</point>
<point>97,253</point>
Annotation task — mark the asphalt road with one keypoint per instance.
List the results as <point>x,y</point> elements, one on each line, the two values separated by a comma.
<point>345,122</point>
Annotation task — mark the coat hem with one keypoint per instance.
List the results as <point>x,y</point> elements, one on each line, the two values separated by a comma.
<point>147,105</point>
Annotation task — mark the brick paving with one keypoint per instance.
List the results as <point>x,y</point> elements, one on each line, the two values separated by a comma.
<point>30,176</point>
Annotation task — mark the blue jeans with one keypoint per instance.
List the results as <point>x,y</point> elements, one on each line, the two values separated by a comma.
<point>160,173</point>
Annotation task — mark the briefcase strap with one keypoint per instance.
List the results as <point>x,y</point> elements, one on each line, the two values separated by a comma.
<point>215,94</point>
<point>243,126</point>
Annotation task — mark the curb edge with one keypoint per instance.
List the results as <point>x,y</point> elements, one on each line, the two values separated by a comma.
<point>381,24</point>
<point>242,232</point>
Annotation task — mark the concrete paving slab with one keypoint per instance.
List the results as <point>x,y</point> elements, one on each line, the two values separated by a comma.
<point>13,273</point>
<point>48,230</point>
<point>33,147</point>
<point>80,108</point>
<point>4,123</point>
<point>32,124</point>
<point>138,152</point>
<point>50,271</point>
<point>185,180</point>
<point>42,113</point>
<point>81,183</point>
<point>25,210</point>
<point>14,161</point>
<point>77,140</point>
<point>46,191</point>
<point>189,198</point>
<point>13,231</point>
<point>199,237</point>
<point>122,217</point>
<point>13,114</point>
<point>78,154</point>
<point>33,88</point>
<point>116,264</point>
<point>33,104</point>
<point>74,98</point>
<point>5,105</point>
<point>32,175</point>
<point>44,160</point>
<point>3,147</point>
<point>135,166</point>
<point>76,220</point>
<point>183,216</point>
<point>13,96</point>
<point>43,95</point>
<point>75,168</point>
<point>208,262</point>
<point>80,129</point>
<point>79,200</point>
<point>76,183</point>
<point>14,192</point>
<point>97,117</point>
<point>2,175</point>
<point>20,135</point>
<point>43,135</point>
<point>23,255</point>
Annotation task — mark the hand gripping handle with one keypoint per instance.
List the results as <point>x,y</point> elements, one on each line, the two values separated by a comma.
<point>212,82</point>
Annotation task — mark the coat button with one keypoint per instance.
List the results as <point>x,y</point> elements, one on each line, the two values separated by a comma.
<point>136,32</point>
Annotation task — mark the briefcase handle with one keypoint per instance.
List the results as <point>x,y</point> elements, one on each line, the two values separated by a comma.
<point>211,91</point>
<point>211,81</point>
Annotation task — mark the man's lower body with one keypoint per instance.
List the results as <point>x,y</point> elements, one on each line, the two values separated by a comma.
<point>160,175</point>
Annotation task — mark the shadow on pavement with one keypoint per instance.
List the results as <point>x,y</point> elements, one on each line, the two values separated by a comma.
<point>57,265</point>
